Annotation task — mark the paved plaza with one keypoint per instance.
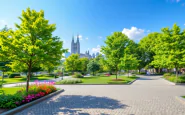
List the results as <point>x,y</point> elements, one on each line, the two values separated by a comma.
<point>150,95</point>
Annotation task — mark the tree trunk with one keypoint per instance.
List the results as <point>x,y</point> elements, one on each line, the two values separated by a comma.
<point>176,73</point>
<point>116,75</point>
<point>28,78</point>
<point>139,70</point>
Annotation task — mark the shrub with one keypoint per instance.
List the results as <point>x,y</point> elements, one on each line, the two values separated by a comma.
<point>13,75</point>
<point>9,101</point>
<point>78,75</point>
<point>66,74</point>
<point>167,75</point>
<point>133,75</point>
<point>69,81</point>
<point>17,77</point>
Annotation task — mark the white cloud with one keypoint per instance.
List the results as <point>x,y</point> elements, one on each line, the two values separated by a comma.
<point>87,38</point>
<point>80,37</point>
<point>97,49</point>
<point>148,31</point>
<point>184,24</point>
<point>134,33</point>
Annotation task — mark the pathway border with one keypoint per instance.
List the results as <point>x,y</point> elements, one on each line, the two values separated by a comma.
<point>181,99</point>
<point>129,83</point>
<point>172,83</point>
<point>22,107</point>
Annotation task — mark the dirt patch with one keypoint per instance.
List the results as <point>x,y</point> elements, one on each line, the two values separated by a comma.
<point>117,80</point>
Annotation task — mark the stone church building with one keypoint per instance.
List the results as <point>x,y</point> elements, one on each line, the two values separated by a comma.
<point>75,49</point>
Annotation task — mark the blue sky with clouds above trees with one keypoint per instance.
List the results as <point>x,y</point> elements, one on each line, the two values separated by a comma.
<point>93,20</point>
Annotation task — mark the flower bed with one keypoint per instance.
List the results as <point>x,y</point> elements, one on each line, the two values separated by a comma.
<point>36,90</point>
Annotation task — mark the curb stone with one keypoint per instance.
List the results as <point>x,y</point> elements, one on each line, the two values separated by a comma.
<point>181,99</point>
<point>22,107</point>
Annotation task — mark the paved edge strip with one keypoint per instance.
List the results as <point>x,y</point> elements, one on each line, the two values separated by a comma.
<point>22,107</point>
<point>172,83</point>
<point>181,99</point>
<point>129,83</point>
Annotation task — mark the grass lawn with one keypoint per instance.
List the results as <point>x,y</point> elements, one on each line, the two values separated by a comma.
<point>16,80</point>
<point>173,79</point>
<point>10,90</point>
<point>183,96</point>
<point>106,80</point>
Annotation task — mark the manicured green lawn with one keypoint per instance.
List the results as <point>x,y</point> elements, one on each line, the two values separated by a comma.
<point>16,80</point>
<point>10,90</point>
<point>106,80</point>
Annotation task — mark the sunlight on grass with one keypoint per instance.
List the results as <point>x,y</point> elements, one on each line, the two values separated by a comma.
<point>11,90</point>
<point>17,80</point>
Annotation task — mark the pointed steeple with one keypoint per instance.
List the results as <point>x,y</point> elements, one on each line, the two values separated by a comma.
<point>78,38</point>
<point>72,45</point>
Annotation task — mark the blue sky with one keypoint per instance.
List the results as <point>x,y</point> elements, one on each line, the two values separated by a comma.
<point>93,20</point>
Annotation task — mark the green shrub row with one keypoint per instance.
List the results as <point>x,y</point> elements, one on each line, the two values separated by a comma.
<point>69,81</point>
<point>13,75</point>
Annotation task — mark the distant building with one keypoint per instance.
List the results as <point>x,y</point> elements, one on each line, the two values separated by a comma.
<point>75,48</point>
<point>93,55</point>
<point>97,54</point>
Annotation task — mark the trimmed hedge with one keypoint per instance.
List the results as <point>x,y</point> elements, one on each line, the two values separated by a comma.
<point>13,75</point>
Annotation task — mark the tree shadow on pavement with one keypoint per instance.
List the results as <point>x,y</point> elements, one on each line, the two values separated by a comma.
<point>72,104</point>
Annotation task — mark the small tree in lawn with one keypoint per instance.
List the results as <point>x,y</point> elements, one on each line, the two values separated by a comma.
<point>114,49</point>
<point>73,63</point>
<point>84,61</point>
<point>31,44</point>
<point>93,66</point>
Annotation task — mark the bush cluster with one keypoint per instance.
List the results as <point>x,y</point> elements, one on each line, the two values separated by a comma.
<point>77,75</point>
<point>69,81</point>
<point>13,75</point>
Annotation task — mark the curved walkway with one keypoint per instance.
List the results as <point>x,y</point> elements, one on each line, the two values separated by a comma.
<point>150,95</point>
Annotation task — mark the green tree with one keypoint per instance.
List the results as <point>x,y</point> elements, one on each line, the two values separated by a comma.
<point>93,66</point>
<point>73,63</point>
<point>145,49</point>
<point>84,61</point>
<point>31,44</point>
<point>114,49</point>
<point>170,49</point>
<point>129,62</point>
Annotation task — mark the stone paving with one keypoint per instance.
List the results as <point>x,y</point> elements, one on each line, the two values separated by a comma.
<point>149,95</point>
